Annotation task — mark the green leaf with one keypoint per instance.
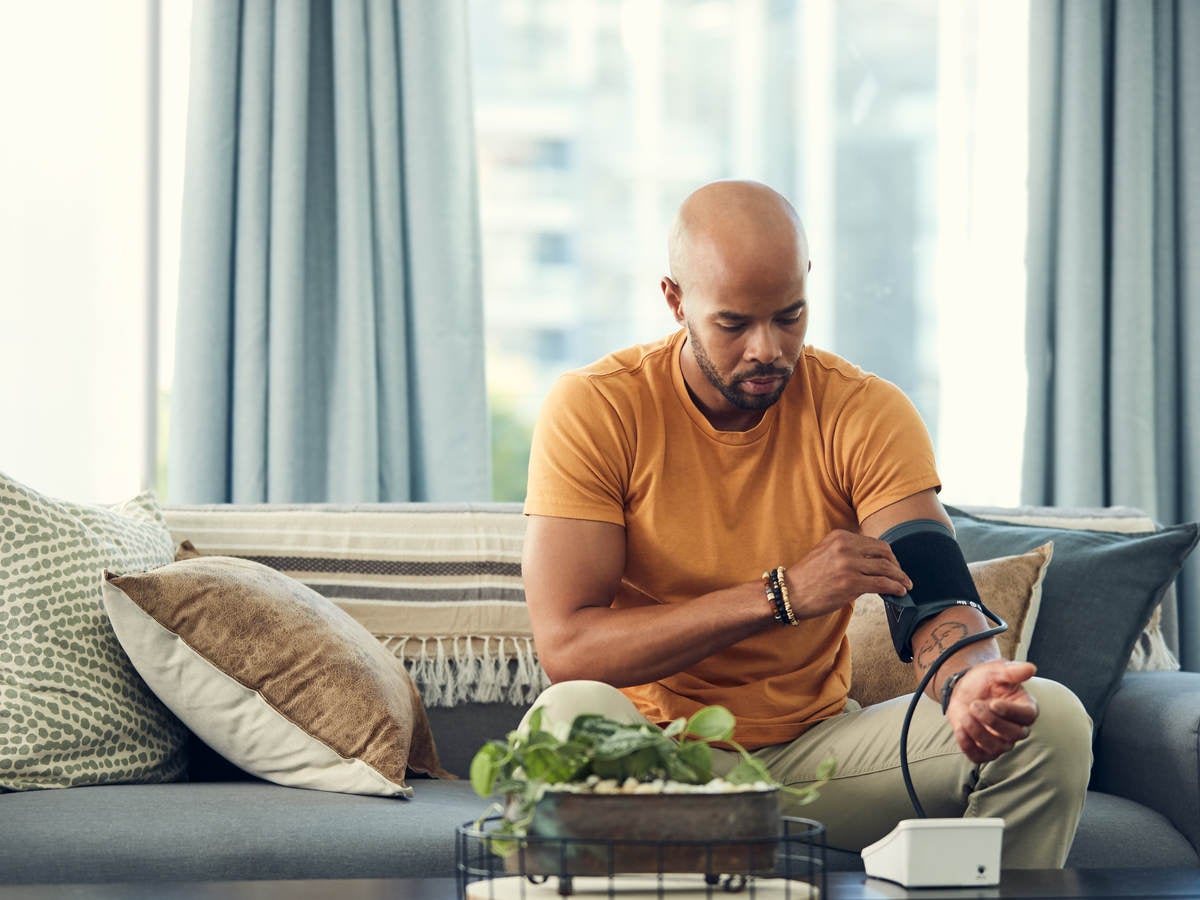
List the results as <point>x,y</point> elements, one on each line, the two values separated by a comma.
<point>748,771</point>
<point>485,767</point>
<point>543,763</point>
<point>826,769</point>
<point>628,741</point>
<point>591,728</point>
<point>570,760</point>
<point>675,728</point>
<point>678,770</point>
<point>696,757</point>
<point>801,796</point>
<point>712,723</point>
<point>501,844</point>
<point>540,739</point>
<point>643,764</point>
<point>597,724</point>
<point>511,785</point>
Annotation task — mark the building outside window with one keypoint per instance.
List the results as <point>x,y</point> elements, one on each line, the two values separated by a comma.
<point>896,128</point>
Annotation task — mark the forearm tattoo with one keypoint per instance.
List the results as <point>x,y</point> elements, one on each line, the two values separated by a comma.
<point>940,638</point>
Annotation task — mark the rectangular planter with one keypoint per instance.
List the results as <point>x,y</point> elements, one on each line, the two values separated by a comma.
<point>600,834</point>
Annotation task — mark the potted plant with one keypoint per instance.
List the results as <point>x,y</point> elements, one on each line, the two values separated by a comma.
<point>613,796</point>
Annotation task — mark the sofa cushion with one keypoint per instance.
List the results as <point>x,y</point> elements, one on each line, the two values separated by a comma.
<point>1010,587</point>
<point>1098,595</point>
<point>1152,652</point>
<point>1117,833</point>
<point>237,831</point>
<point>73,711</point>
<point>273,676</point>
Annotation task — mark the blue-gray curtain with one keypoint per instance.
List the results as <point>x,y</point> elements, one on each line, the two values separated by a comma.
<point>330,325</point>
<point>1114,264</point>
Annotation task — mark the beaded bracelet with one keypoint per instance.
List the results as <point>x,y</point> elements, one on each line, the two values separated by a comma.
<point>775,598</point>
<point>781,583</point>
<point>776,588</point>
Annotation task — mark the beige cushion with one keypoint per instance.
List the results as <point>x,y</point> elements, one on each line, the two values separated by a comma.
<point>73,711</point>
<point>1010,587</point>
<point>273,676</point>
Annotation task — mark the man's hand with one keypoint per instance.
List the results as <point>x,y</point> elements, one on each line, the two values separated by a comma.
<point>990,710</point>
<point>839,569</point>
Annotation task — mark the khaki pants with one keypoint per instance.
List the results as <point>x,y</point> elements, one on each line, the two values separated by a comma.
<point>1037,788</point>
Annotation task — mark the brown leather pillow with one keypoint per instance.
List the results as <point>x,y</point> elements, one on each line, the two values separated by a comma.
<point>273,676</point>
<point>1010,586</point>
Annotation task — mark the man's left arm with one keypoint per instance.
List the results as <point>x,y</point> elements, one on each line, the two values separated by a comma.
<point>988,708</point>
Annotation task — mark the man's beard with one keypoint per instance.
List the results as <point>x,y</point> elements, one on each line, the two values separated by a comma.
<point>729,389</point>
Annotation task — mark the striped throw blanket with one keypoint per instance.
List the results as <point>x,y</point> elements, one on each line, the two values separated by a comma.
<point>439,585</point>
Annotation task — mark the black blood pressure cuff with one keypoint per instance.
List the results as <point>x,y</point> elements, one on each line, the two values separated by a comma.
<point>930,556</point>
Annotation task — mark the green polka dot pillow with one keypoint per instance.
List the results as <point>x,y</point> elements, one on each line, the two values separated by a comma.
<point>73,710</point>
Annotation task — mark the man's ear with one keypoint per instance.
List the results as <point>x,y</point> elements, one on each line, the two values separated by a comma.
<point>674,295</point>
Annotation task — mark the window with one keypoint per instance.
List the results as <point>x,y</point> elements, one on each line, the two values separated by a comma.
<point>898,131</point>
<point>86,229</point>
<point>553,249</point>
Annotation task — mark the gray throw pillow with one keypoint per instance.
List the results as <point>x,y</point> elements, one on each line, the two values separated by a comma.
<point>1098,594</point>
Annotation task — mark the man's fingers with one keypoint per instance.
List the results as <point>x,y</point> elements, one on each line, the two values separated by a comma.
<point>881,568</point>
<point>979,743</point>
<point>1017,672</point>
<point>1000,714</point>
<point>885,586</point>
<point>1021,711</point>
<point>860,547</point>
<point>865,565</point>
<point>1008,724</point>
<point>992,727</point>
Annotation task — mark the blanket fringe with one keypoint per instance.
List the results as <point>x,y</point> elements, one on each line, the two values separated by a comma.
<point>1151,653</point>
<point>470,669</point>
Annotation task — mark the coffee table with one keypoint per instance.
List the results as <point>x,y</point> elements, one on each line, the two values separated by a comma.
<point>1033,884</point>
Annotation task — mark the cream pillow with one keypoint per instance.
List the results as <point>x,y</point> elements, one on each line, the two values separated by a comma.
<point>273,676</point>
<point>1011,587</point>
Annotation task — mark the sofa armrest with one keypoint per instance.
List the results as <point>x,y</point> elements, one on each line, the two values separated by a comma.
<point>1148,748</point>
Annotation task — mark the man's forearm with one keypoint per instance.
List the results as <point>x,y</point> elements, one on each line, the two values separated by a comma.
<point>636,645</point>
<point>935,635</point>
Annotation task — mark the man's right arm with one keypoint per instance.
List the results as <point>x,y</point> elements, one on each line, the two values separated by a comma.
<point>572,570</point>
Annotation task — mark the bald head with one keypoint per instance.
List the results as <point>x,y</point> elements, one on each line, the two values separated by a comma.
<point>733,229</point>
<point>738,284</point>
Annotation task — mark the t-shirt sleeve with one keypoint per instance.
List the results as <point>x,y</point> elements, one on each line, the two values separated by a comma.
<point>580,458</point>
<point>881,449</point>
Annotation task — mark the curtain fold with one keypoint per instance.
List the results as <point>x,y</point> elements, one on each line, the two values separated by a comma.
<point>1113,311</point>
<point>329,334</point>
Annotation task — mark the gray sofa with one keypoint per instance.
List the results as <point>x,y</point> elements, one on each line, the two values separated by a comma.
<point>1143,808</point>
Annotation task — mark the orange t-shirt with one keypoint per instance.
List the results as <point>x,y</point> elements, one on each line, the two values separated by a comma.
<point>621,441</point>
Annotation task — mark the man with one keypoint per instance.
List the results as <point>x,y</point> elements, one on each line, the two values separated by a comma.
<point>664,479</point>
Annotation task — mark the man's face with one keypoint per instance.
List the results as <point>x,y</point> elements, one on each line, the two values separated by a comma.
<point>745,340</point>
<point>749,384</point>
